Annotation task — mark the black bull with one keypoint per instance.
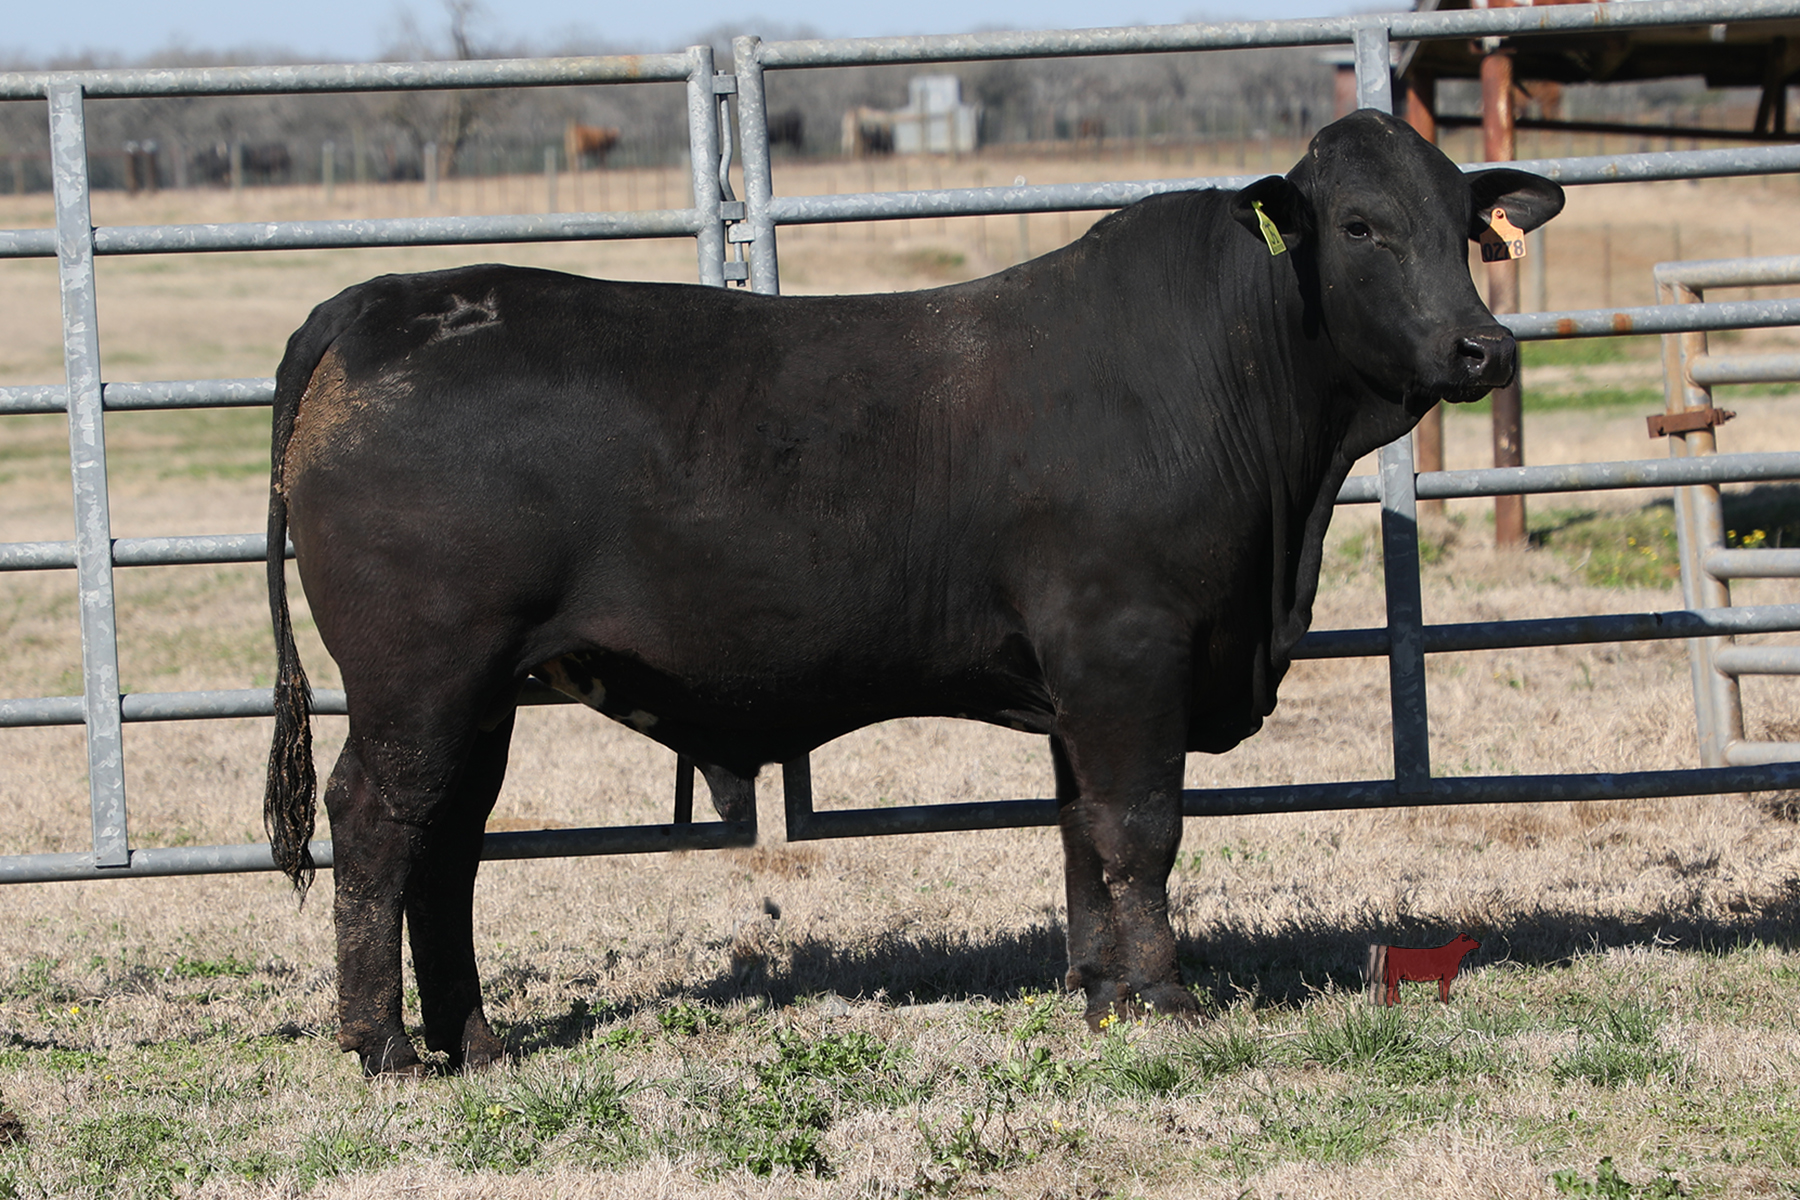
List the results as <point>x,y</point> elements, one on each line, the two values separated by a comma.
<point>1084,497</point>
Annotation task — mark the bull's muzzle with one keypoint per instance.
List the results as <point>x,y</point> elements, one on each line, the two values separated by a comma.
<point>1481,360</point>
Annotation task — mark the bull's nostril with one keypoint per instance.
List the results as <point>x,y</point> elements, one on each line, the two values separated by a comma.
<point>1471,348</point>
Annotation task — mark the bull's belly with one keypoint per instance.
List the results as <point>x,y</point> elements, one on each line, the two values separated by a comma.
<point>743,723</point>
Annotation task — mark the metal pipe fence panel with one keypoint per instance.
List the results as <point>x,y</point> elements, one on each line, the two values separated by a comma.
<point>727,229</point>
<point>1707,566</point>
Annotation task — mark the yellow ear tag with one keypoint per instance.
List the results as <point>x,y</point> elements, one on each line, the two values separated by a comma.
<point>1501,240</point>
<point>1270,234</point>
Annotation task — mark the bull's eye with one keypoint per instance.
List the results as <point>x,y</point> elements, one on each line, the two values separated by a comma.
<point>1358,230</point>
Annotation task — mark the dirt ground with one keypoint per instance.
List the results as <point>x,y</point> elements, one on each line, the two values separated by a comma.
<point>1263,904</point>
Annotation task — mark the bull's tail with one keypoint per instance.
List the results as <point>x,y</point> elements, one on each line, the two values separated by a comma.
<point>290,800</point>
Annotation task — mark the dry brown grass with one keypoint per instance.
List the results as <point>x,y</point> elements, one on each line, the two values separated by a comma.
<point>936,944</point>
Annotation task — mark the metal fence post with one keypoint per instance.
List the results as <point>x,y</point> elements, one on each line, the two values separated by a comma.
<point>1700,528</point>
<point>765,277</point>
<point>1399,514</point>
<point>703,156</point>
<point>87,454</point>
<point>753,132</point>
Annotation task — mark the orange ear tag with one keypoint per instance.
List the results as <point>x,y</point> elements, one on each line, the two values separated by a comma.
<point>1501,240</point>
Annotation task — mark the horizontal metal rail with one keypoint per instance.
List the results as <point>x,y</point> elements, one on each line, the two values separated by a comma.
<point>1360,489</point>
<point>1622,128</point>
<point>1759,754</point>
<point>1653,318</point>
<point>1702,273</point>
<point>1758,660</point>
<point>1710,369</point>
<point>808,210</point>
<point>255,856</point>
<point>946,818</point>
<point>1558,631</point>
<point>803,210</point>
<point>573,71</point>
<point>1764,563</point>
<point>1107,194</point>
<point>137,397</point>
<point>137,707</point>
<point>143,552</point>
<point>202,706</point>
<point>1760,467</point>
<point>1228,35</point>
<point>1595,322</point>
<point>1316,797</point>
<point>363,234</point>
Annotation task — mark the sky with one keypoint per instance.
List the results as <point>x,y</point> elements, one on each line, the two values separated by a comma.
<point>354,30</point>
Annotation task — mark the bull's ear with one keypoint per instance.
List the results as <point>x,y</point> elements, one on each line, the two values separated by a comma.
<point>1275,199</point>
<point>1529,200</point>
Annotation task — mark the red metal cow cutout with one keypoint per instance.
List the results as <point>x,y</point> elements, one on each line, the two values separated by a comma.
<point>1389,965</point>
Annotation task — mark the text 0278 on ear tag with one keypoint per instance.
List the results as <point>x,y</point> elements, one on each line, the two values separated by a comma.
<point>1501,240</point>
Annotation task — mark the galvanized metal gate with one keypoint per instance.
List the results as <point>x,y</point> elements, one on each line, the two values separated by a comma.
<point>737,240</point>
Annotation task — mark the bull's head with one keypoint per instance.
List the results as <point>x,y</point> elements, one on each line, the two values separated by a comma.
<point>1382,219</point>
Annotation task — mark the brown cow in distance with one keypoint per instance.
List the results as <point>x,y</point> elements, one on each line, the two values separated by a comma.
<point>588,145</point>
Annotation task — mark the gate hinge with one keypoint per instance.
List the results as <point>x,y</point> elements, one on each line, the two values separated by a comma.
<point>1688,420</point>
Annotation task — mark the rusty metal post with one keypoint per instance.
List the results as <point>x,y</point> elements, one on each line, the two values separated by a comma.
<point>1428,436</point>
<point>1503,290</point>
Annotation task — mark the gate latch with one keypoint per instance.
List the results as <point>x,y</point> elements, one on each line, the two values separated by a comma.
<point>1688,420</point>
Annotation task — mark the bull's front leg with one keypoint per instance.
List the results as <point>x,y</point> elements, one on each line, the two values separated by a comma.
<point>1118,793</point>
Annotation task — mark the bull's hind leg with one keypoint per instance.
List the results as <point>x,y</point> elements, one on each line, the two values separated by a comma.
<point>372,857</point>
<point>440,901</point>
<point>392,802</point>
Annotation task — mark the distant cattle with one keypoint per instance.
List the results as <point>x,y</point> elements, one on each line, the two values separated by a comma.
<point>1085,498</point>
<point>867,131</point>
<point>787,128</point>
<point>258,163</point>
<point>141,173</point>
<point>588,145</point>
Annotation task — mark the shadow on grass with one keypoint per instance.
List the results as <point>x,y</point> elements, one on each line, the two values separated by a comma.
<point>1274,968</point>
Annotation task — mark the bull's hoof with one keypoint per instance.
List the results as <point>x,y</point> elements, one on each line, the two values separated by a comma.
<point>1109,1004</point>
<point>395,1060</point>
<point>481,1049</point>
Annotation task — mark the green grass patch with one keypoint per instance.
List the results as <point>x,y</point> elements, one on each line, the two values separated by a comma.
<point>536,1115</point>
<point>1587,352</point>
<point>145,1153</point>
<point>1639,547</point>
<point>229,967</point>
<point>1320,1126</point>
<point>1578,396</point>
<point>1636,548</point>
<point>348,1147</point>
<point>1608,1184</point>
<point>1617,1045</point>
